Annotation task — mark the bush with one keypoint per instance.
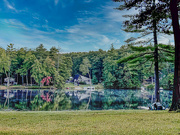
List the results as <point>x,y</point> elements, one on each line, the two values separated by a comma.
<point>82,83</point>
<point>99,86</point>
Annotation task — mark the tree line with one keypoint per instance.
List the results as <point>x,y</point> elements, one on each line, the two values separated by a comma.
<point>34,66</point>
<point>107,67</point>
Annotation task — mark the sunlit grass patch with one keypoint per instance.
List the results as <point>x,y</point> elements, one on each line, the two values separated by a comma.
<point>90,122</point>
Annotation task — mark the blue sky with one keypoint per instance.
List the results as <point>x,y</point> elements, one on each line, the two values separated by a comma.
<point>74,25</point>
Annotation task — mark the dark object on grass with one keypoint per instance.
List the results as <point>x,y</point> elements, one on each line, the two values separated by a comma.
<point>156,106</point>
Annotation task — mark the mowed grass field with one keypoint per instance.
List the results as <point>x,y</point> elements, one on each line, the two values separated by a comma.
<point>121,122</point>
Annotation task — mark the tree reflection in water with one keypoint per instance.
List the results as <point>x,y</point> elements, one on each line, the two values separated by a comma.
<point>56,100</point>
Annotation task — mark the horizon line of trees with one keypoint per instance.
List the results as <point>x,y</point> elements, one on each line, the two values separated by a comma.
<point>32,66</point>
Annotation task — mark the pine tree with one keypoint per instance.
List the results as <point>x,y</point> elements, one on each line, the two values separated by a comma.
<point>174,5</point>
<point>37,71</point>
<point>152,17</point>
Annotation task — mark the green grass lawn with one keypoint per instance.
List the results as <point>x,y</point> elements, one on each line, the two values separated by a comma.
<point>70,85</point>
<point>90,122</point>
<point>24,87</point>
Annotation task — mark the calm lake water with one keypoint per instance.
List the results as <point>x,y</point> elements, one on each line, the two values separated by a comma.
<point>49,100</point>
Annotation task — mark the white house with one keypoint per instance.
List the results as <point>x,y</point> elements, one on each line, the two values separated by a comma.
<point>80,78</point>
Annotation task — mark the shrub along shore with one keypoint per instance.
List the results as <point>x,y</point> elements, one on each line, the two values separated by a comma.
<point>67,87</point>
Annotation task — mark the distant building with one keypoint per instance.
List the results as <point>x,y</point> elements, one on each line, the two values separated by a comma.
<point>81,79</point>
<point>11,80</point>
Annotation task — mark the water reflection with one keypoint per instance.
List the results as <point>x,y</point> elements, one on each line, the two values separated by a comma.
<point>46,100</point>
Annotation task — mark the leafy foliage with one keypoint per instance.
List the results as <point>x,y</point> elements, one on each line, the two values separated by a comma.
<point>37,71</point>
<point>4,61</point>
<point>135,64</point>
<point>85,66</point>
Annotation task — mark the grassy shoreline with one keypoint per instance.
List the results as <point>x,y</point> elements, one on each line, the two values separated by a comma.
<point>90,122</point>
<point>24,87</point>
<point>67,87</point>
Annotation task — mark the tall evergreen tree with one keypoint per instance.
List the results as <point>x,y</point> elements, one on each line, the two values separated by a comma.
<point>149,19</point>
<point>53,53</point>
<point>4,62</point>
<point>174,7</point>
<point>37,71</point>
<point>26,65</point>
<point>41,53</point>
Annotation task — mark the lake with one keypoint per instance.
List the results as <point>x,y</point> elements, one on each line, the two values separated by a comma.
<point>55,100</point>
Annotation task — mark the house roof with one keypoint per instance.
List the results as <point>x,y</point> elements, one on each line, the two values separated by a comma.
<point>84,78</point>
<point>76,77</point>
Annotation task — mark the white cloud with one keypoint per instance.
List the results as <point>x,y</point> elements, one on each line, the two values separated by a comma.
<point>59,31</point>
<point>9,5</point>
<point>105,40</point>
<point>94,31</point>
<point>116,15</point>
<point>56,2</point>
<point>96,47</point>
<point>23,36</point>
<point>90,33</point>
<point>37,18</point>
<point>165,39</point>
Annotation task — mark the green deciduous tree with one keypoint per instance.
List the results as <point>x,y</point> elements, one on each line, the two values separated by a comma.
<point>65,67</point>
<point>4,62</point>
<point>85,67</point>
<point>49,67</point>
<point>63,71</point>
<point>8,61</point>
<point>37,71</point>
<point>59,81</point>
<point>109,71</point>
<point>41,52</point>
<point>27,65</point>
<point>21,55</point>
<point>53,53</point>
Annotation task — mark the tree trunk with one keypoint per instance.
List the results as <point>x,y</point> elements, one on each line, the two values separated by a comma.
<point>26,96</point>
<point>7,99</point>
<point>30,96</point>
<point>90,91</point>
<point>156,70</point>
<point>175,22</point>
<point>22,80</point>
<point>156,66</point>
<point>31,81</point>
<point>17,79</point>
<point>1,81</point>
<point>27,78</point>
